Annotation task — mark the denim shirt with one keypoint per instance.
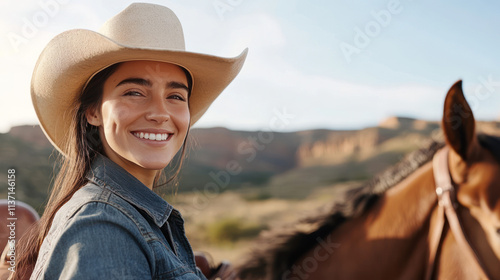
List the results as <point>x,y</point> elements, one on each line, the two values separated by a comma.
<point>116,228</point>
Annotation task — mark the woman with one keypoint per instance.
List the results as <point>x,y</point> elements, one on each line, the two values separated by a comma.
<point>118,105</point>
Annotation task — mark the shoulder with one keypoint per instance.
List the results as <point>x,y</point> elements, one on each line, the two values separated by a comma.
<point>95,202</point>
<point>88,235</point>
<point>97,241</point>
<point>98,212</point>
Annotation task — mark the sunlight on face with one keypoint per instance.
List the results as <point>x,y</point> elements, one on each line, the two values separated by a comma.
<point>144,117</point>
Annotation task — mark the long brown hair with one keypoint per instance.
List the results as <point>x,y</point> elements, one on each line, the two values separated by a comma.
<point>82,145</point>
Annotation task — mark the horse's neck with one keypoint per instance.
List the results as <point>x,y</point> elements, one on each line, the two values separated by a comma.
<point>405,209</point>
<point>400,223</point>
<point>387,242</point>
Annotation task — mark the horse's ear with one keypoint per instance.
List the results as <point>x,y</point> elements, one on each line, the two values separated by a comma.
<point>458,121</point>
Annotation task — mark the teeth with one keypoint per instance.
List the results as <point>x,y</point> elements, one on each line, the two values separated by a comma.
<point>152,136</point>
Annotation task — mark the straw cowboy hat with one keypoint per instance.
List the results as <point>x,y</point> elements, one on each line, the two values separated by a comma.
<point>140,32</point>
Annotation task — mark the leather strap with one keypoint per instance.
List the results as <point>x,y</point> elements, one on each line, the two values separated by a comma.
<point>448,204</point>
<point>434,242</point>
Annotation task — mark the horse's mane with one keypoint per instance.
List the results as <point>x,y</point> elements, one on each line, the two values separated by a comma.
<point>278,249</point>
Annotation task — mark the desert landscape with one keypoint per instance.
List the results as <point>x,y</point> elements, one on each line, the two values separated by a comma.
<point>236,184</point>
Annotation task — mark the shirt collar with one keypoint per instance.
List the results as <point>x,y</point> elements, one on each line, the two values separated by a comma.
<point>110,175</point>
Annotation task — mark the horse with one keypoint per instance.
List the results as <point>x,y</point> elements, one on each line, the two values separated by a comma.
<point>434,215</point>
<point>17,217</point>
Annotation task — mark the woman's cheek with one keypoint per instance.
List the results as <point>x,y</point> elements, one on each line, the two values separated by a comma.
<point>186,119</point>
<point>117,114</point>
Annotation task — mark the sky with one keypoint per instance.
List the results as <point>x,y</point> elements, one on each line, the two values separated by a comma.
<point>312,64</point>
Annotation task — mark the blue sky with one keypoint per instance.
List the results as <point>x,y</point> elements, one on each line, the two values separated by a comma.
<point>326,64</point>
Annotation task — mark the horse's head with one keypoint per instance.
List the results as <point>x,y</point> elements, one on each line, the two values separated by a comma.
<point>475,169</point>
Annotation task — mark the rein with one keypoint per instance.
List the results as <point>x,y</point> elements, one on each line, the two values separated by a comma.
<point>447,205</point>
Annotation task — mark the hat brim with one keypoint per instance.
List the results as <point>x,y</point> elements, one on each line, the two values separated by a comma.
<point>73,57</point>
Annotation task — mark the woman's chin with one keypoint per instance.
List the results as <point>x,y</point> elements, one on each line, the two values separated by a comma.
<point>151,163</point>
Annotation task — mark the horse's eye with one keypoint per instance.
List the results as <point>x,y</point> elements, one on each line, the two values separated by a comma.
<point>498,231</point>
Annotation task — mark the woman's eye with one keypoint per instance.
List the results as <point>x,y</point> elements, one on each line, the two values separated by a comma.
<point>176,97</point>
<point>133,93</point>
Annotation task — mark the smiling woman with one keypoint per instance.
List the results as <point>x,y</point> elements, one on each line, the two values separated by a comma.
<point>118,105</point>
<point>144,117</point>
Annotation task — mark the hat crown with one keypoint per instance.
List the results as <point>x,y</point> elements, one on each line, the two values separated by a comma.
<point>147,26</point>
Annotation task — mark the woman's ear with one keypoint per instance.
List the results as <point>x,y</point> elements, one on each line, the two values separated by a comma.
<point>93,117</point>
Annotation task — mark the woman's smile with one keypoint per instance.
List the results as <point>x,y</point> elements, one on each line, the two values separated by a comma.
<point>157,136</point>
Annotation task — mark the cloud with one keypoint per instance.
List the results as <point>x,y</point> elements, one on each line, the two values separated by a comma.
<point>269,81</point>
<point>317,101</point>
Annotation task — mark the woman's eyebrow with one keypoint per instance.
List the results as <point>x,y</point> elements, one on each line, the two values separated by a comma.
<point>145,82</point>
<point>177,85</point>
<point>137,81</point>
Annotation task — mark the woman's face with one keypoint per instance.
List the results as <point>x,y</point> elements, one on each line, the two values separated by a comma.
<point>144,116</point>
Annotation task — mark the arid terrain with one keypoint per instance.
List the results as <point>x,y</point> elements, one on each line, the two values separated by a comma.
<point>235,184</point>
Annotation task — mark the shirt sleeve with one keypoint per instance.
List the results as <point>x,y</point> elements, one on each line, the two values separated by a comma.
<point>99,242</point>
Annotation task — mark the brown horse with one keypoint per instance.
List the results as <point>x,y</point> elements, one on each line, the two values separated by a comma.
<point>394,227</point>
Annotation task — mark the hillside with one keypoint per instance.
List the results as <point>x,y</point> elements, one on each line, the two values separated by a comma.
<point>269,164</point>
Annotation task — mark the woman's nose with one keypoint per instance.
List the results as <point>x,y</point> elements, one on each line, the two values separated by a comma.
<point>158,111</point>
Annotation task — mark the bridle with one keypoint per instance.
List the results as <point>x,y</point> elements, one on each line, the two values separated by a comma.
<point>447,205</point>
